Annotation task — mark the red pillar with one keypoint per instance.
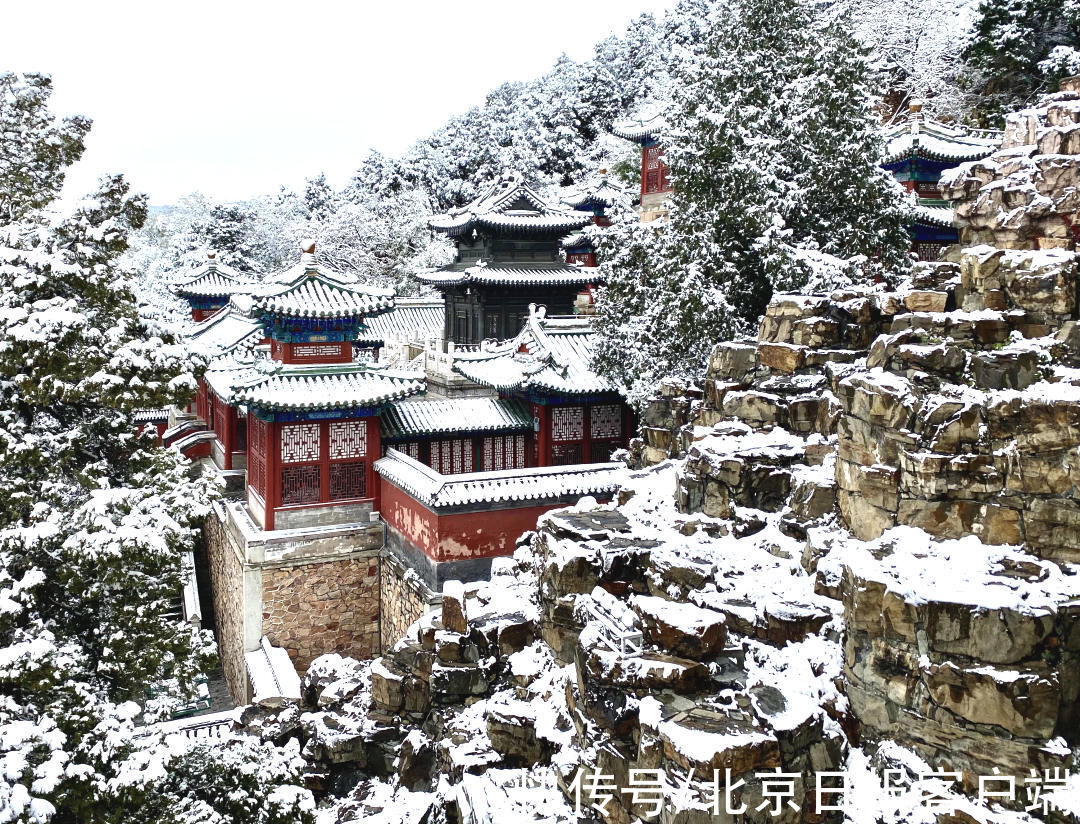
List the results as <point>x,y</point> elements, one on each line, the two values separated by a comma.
<point>273,472</point>
<point>374,451</point>
<point>324,462</point>
<point>227,438</point>
<point>543,437</point>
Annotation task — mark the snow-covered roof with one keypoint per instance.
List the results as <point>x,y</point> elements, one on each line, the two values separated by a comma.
<point>292,388</point>
<point>533,485</point>
<point>518,274</point>
<point>919,136</point>
<point>228,329</point>
<point>273,677</point>
<point>639,129</point>
<point>411,319</point>
<point>576,241</point>
<point>213,280</point>
<point>224,374</point>
<point>317,294</point>
<point>509,203</point>
<point>436,417</point>
<point>552,355</point>
<point>308,262</point>
<point>934,215</point>
<point>604,193</point>
<point>151,415</point>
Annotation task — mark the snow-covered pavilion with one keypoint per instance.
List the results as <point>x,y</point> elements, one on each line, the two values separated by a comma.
<point>208,288</point>
<point>656,186</point>
<point>918,150</point>
<point>508,256</point>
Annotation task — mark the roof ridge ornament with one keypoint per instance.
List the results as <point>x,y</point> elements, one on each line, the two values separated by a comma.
<point>307,257</point>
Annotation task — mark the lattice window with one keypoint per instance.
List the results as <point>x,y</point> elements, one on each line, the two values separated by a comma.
<point>605,422</point>
<point>412,449</point>
<point>652,158</point>
<point>348,480</point>
<point>451,457</point>
<point>299,443</point>
<point>929,251</point>
<point>567,423</point>
<point>256,469</point>
<point>300,485</point>
<point>348,439</point>
<point>504,452</point>
<point>435,454</point>
<point>256,465</point>
<point>925,188</point>
<point>309,351</point>
<point>563,454</point>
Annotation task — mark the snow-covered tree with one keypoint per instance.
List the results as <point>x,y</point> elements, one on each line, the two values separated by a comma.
<point>384,240</point>
<point>774,151</point>
<point>37,148</point>
<point>319,197</point>
<point>1020,49</point>
<point>93,516</point>
<point>919,46</point>
<point>241,780</point>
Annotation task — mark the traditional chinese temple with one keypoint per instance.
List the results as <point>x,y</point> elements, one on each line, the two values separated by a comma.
<point>508,256</point>
<point>341,476</point>
<point>918,150</point>
<point>656,185</point>
<point>463,478</point>
<point>594,200</point>
<point>208,288</point>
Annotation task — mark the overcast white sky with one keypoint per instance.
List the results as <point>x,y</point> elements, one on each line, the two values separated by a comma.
<point>235,98</point>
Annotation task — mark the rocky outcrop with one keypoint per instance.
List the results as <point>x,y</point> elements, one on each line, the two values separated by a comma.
<point>852,546</point>
<point>970,655</point>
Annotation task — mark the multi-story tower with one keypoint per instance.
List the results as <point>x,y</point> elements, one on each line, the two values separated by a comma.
<point>508,256</point>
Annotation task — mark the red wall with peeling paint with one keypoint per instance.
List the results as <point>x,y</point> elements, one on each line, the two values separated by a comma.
<point>481,534</point>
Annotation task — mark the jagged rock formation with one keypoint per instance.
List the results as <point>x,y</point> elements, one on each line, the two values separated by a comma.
<point>853,548</point>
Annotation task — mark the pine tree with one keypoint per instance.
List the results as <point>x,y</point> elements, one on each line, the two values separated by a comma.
<point>93,516</point>
<point>36,148</point>
<point>319,198</point>
<point>1010,58</point>
<point>774,153</point>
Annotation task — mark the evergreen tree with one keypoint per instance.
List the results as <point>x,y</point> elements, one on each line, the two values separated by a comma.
<point>227,230</point>
<point>319,198</point>
<point>94,517</point>
<point>1011,58</point>
<point>36,148</point>
<point>774,152</point>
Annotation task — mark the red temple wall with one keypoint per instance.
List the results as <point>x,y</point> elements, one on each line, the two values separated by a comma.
<point>457,536</point>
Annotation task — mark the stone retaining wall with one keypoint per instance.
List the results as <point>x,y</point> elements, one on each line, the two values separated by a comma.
<point>309,609</point>
<point>227,580</point>
<point>404,599</point>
